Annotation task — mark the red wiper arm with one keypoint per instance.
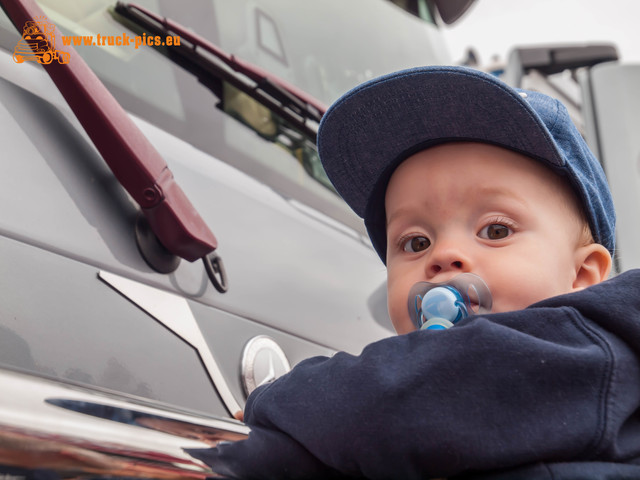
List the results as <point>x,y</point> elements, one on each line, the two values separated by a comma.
<point>132,158</point>
<point>253,72</point>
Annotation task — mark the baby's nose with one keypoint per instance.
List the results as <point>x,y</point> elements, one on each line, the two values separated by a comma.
<point>447,258</point>
<point>455,265</point>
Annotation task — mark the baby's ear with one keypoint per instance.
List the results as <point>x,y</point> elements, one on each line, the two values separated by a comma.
<point>593,264</point>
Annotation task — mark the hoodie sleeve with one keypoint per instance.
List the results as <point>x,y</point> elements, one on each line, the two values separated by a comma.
<point>493,392</point>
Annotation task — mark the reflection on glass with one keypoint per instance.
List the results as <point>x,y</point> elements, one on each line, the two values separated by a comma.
<point>275,129</point>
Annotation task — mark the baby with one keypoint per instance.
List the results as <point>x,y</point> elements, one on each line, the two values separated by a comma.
<point>455,172</point>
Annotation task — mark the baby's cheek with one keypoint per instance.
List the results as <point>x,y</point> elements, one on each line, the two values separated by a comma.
<point>518,298</point>
<point>403,325</point>
<point>399,314</point>
<point>399,283</point>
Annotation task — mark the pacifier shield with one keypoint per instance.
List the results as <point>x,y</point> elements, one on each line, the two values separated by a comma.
<point>436,306</point>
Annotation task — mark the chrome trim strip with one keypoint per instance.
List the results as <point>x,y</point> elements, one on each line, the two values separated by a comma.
<point>174,313</point>
<point>45,424</point>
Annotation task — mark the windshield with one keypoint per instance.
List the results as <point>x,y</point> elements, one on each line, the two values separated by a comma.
<point>323,48</point>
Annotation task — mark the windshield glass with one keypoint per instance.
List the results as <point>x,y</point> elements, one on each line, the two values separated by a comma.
<point>323,48</point>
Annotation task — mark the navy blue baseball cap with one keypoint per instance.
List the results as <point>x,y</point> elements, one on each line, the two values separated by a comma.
<point>370,130</point>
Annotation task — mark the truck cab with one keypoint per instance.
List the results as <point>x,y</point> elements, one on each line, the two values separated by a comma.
<point>119,348</point>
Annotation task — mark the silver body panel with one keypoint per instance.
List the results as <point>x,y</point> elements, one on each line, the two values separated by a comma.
<point>613,113</point>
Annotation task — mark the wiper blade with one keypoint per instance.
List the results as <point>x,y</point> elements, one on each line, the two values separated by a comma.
<point>294,105</point>
<point>132,158</point>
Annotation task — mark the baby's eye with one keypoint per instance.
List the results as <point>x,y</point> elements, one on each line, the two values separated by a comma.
<point>416,244</point>
<point>495,231</point>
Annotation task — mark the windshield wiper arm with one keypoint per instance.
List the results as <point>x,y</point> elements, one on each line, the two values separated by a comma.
<point>284,99</point>
<point>134,161</point>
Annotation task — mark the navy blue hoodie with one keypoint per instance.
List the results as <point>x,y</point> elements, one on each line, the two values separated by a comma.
<point>552,388</point>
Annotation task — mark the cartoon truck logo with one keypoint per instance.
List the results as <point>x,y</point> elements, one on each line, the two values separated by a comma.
<point>38,44</point>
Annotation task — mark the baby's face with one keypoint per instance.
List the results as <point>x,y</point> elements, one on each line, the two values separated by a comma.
<point>472,207</point>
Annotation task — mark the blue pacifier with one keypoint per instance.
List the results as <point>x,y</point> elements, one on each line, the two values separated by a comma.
<point>438,306</point>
